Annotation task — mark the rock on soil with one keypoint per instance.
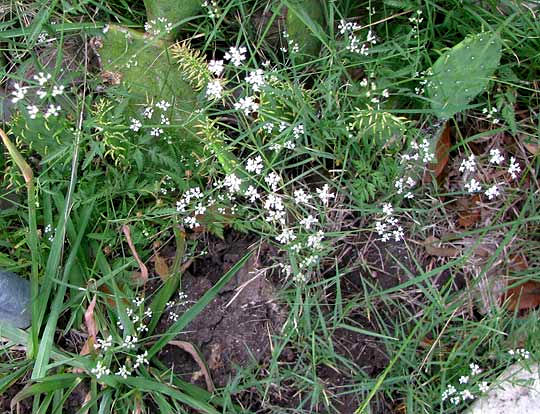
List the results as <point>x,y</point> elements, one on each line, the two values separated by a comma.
<point>518,392</point>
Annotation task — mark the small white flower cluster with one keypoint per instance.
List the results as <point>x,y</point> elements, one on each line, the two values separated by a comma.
<point>388,227</point>
<point>167,185</point>
<point>416,20</point>
<point>213,9</point>
<point>424,75</point>
<point>372,91</point>
<point>216,67</point>
<point>256,79</point>
<point>247,104</point>
<point>156,27</point>
<point>491,114</point>
<point>456,397</point>
<point>194,193</point>
<point>42,79</point>
<point>294,46</point>
<point>49,232</point>
<point>236,55</point>
<point>148,112</point>
<point>353,42</point>
<point>519,353</point>
<point>126,345</point>
<point>468,168</point>
<point>173,305</point>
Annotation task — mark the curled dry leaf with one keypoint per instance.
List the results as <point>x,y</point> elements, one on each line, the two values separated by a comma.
<point>432,246</point>
<point>190,349</point>
<point>442,152</point>
<point>142,276</point>
<point>161,267</point>
<point>91,327</point>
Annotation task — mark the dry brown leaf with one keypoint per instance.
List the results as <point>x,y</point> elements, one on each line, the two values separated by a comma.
<point>141,276</point>
<point>190,349</point>
<point>162,269</point>
<point>523,297</point>
<point>469,211</point>
<point>431,244</point>
<point>91,327</point>
<point>442,152</point>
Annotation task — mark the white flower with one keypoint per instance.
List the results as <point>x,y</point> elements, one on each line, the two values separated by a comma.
<point>483,387</point>
<point>298,131</point>
<point>301,197</point>
<point>398,233</point>
<point>256,79</point>
<point>450,390</point>
<point>18,93</point>
<point>52,110</point>
<point>42,78</point>
<point>308,221</point>
<point>164,120</point>
<point>314,240</point>
<point>496,157</point>
<point>141,360</point>
<point>286,236</point>
<point>236,55</point>
<point>129,342</point>
<point>385,93</point>
<point>104,343</point>
<point>216,67</point>
<point>464,379</point>
<point>254,165</point>
<point>135,124</point>
<point>274,202</point>
<point>324,194</point>
<point>214,89</point>
<point>142,328</point>
<point>57,90</point>
<point>191,222</point>
<point>268,127</point>
<point>475,369</point>
<point>156,132</point>
<point>473,186</point>
<point>42,93</point>
<point>492,192</point>
<point>289,145</point>
<point>163,105</point>
<point>33,110</point>
<point>233,183</point>
<point>252,194</point>
<point>468,165</point>
<point>371,37</point>
<point>514,168</point>
<point>388,209</point>
<point>247,104</point>
<point>148,112</point>
<point>123,372</point>
<point>466,395</point>
<point>273,180</point>
<point>100,370</point>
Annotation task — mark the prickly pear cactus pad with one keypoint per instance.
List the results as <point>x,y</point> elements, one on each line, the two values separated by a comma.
<point>144,66</point>
<point>14,300</point>
<point>304,17</point>
<point>462,73</point>
<point>174,11</point>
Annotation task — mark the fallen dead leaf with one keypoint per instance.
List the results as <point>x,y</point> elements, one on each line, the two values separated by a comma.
<point>91,327</point>
<point>190,349</point>
<point>141,276</point>
<point>523,297</point>
<point>469,211</point>
<point>161,267</point>
<point>442,153</point>
<point>431,244</point>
